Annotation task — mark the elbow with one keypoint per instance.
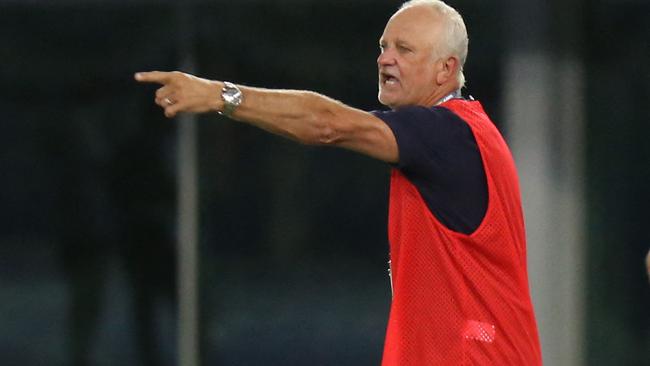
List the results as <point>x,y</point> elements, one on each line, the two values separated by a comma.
<point>322,125</point>
<point>328,134</point>
<point>319,126</point>
<point>325,131</point>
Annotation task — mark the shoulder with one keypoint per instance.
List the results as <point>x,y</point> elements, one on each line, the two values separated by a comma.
<point>433,126</point>
<point>417,114</point>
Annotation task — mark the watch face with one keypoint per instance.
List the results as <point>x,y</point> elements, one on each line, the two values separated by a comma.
<point>232,98</point>
<point>229,95</point>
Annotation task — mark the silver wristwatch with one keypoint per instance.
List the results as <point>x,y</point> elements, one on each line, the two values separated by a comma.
<point>232,98</point>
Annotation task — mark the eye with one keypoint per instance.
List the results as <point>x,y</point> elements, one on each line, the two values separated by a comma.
<point>403,49</point>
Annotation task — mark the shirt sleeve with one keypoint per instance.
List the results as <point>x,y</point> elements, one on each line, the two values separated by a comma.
<point>439,154</point>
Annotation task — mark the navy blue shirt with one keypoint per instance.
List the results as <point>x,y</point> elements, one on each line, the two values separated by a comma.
<point>439,155</point>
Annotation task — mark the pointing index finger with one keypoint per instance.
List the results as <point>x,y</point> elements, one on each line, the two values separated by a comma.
<point>159,77</point>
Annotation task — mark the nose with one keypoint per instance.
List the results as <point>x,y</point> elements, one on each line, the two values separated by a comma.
<point>386,58</point>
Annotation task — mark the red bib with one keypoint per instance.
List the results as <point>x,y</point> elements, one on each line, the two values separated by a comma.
<point>461,299</point>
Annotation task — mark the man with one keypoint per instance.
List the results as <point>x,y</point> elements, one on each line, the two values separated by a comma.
<point>456,227</point>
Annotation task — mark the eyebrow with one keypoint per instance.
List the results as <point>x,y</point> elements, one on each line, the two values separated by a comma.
<point>398,41</point>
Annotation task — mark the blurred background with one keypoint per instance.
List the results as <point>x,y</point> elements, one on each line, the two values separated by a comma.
<point>125,236</point>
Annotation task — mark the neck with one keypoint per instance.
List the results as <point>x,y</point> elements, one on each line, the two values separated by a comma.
<point>452,95</point>
<point>443,93</point>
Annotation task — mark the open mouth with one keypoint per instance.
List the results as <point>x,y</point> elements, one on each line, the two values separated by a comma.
<point>388,79</point>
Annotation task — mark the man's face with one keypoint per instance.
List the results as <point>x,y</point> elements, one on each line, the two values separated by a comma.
<point>407,63</point>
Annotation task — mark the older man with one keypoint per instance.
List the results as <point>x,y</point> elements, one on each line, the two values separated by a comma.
<point>456,227</point>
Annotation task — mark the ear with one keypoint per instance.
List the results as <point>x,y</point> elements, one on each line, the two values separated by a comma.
<point>447,70</point>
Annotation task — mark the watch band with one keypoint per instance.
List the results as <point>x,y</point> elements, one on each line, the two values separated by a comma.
<point>232,98</point>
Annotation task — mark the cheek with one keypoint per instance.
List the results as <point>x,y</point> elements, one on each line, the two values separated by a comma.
<point>427,73</point>
<point>426,77</point>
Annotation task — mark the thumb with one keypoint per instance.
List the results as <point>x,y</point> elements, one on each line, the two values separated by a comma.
<point>172,110</point>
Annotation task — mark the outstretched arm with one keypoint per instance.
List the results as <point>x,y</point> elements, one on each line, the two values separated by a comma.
<point>304,116</point>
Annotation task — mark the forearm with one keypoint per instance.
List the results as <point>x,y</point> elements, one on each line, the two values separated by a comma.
<point>315,119</point>
<point>304,116</point>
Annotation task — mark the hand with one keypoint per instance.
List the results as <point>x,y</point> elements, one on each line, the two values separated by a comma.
<point>181,92</point>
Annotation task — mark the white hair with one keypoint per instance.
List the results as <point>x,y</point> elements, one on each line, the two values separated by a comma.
<point>454,37</point>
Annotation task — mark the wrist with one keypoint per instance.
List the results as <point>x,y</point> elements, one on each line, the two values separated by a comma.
<point>231,99</point>
<point>216,101</point>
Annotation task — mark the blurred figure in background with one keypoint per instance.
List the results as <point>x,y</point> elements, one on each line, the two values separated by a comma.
<point>88,222</point>
<point>143,192</point>
<point>647,264</point>
<point>117,208</point>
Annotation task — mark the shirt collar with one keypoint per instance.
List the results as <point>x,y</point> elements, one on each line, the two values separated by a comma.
<point>452,95</point>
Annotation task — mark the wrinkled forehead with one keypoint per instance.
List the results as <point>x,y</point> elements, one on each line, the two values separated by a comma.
<point>418,24</point>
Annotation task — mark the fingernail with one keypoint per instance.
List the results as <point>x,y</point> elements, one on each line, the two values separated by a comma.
<point>138,75</point>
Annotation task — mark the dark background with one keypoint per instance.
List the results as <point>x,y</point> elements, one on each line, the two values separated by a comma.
<point>292,238</point>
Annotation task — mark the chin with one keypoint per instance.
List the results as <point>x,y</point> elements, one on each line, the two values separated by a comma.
<point>389,104</point>
<point>383,99</point>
